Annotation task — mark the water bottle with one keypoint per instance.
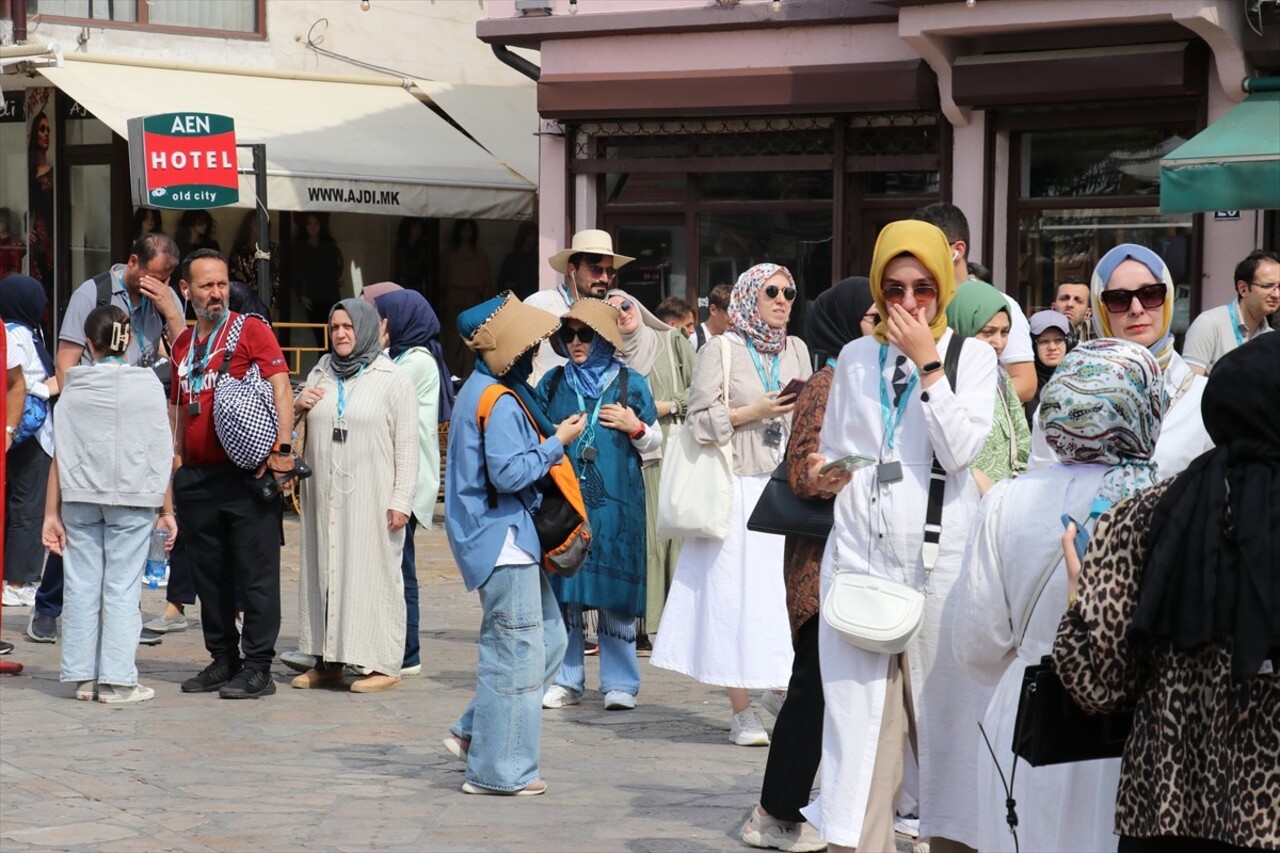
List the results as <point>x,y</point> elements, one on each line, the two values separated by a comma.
<point>156,558</point>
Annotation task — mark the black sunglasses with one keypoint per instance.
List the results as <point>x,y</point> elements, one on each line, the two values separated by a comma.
<point>771,292</point>
<point>1118,301</point>
<point>586,334</point>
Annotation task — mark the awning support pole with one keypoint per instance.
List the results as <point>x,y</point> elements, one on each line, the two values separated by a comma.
<point>262,265</point>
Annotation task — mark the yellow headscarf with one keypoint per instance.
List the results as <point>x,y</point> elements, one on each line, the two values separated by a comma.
<point>927,244</point>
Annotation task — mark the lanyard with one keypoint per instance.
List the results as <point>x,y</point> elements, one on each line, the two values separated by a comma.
<point>342,396</point>
<point>588,437</point>
<point>770,380</point>
<point>194,377</point>
<point>112,359</point>
<point>892,415</point>
<point>831,362</point>
<point>1235,323</point>
<point>138,320</point>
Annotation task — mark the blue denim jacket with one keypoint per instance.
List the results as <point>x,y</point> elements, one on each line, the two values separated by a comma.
<point>516,461</point>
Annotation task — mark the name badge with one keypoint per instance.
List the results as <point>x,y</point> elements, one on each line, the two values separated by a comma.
<point>773,436</point>
<point>889,472</point>
<point>193,408</point>
<point>339,435</point>
<point>589,454</point>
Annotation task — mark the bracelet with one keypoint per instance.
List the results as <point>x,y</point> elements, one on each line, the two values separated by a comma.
<point>163,514</point>
<point>638,433</point>
<point>1072,598</point>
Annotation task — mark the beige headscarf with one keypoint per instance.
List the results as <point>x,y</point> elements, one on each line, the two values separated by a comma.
<point>640,348</point>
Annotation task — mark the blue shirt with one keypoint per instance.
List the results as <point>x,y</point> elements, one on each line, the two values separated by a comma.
<point>515,458</point>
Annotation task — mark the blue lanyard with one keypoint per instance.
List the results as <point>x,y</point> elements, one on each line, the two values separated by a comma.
<point>138,320</point>
<point>1235,323</point>
<point>770,381</point>
<point>342,395</point>
<point>588,437</point>
<point>892,415</point>
<point>112,359</point>
<point>831,362</point>
<point>196,378</point>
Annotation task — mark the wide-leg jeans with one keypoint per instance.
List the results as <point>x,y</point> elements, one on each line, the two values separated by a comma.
<point>522,643</point>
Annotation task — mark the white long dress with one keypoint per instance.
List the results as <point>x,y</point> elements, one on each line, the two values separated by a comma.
<point>879,528</point>
<point>1182,433</point>
<point>1017,540</point>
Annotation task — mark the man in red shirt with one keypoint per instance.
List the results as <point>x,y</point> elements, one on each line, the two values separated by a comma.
<point>232,536</point>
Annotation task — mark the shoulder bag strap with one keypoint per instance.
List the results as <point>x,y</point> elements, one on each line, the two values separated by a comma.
<point>938,474</point>
<point>103,282</point>
<point>233,338</point>
<point>1035,600</point>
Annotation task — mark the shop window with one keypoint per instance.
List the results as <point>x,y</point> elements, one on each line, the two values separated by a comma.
<point>730,243</point>
<point>644,188</point>
<point>897,184</point>
<point>1111,162</point>
<point>764,186</point>
<point>234,18</point>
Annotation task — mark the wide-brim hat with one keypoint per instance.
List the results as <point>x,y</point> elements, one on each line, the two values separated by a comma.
<point>588,242</point>
<point>503,329</point>
<point>596,314</point>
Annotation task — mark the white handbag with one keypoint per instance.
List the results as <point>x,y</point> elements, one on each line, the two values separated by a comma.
<point>872,613</point>
<point>695,488</point>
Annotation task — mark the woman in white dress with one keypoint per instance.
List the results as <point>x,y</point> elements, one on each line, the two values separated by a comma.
<point>725,620</point>
<point>1132,295</point>
<point>891,401</point>
<point>1014,586</point>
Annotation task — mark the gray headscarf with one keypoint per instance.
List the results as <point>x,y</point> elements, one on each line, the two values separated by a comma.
<point>368,338</point>
<point>640,348</point>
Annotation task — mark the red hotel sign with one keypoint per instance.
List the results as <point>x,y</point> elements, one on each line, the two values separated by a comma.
<point>183,161</point>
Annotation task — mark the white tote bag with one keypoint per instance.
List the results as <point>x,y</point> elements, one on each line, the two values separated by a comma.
<point>695,490</point>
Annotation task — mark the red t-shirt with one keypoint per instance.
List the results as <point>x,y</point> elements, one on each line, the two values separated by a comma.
<point>257,346</point>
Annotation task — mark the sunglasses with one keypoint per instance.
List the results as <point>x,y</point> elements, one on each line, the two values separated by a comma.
<point>771,291</point>
<point>1118,301</point>
<point>923,293</point>
<point>596,271</point>
<point>586,334</point>
<point>624,305</point>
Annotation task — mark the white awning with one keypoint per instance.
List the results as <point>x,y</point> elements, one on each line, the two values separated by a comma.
<point>503,119</point>
<point>335,144</point>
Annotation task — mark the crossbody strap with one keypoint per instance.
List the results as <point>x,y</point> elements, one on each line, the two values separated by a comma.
<point>938,474</point>
<point>229,349</point>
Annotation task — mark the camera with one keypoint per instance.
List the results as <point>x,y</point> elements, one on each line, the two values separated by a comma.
<point>267,487</point>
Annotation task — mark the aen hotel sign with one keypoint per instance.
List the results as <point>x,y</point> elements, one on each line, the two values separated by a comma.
<point>183,161</point>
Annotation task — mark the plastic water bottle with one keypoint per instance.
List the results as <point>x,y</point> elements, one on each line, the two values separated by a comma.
<point>156,558</point>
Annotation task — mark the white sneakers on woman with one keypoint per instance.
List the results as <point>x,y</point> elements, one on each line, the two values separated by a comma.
<point>746,729</point>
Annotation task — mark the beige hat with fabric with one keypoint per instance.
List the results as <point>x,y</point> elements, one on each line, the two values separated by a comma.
<point>588,242</point>
<point>599,315</point>
<point>503,329</point>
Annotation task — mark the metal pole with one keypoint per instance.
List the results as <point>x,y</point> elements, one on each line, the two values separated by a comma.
<point>264,223</point>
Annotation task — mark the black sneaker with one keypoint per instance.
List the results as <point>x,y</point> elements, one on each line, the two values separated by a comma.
<point>42,628</point>
<point>5,648</point>
<point>150,638</point>
<point>210,678</point>
<point>248,684</point>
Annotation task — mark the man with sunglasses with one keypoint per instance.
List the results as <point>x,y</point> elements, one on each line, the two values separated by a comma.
<point>589,266</point>
<point>1218,331</point>
<point>1018,358</point>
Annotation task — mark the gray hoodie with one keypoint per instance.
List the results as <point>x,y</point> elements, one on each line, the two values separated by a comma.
<point>111,434</point>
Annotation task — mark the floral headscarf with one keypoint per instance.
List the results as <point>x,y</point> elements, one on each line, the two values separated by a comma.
<point>744,308</point>
<point>1104,404</point>
<point>1162,349</point>
<point>927,244</point>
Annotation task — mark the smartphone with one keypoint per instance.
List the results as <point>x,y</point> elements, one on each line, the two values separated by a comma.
<point>1082,535</point>
<point>850,463</point>
<point>793,389</point>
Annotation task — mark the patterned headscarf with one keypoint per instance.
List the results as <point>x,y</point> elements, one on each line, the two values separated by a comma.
<point>1104,404</point>
<point>927,244</point>
<point>744,308</point>
<point>1162,349</point>
<point>594,375</point>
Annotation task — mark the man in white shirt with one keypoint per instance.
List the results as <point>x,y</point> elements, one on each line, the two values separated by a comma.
<point>1018,358</point>
<point>1218,331</point>
<point>589,266</point>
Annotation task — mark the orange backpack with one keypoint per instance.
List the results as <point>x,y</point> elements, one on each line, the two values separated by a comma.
<point>564,533</point>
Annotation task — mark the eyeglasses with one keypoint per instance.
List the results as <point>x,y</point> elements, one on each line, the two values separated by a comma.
<point>1266,287</point>
<point>771,291</point>
<point>923,293</point>
<point>596,270</point>
<point>1118,301</point>
<point>873,316</point>
<point>586,334</point>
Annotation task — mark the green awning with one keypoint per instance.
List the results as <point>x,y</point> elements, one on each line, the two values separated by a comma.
<point>1233,164</point>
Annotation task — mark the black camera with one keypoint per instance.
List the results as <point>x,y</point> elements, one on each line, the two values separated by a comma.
<point>267,487</point>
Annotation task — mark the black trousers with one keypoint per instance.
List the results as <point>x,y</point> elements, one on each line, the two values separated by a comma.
<point>796,747</point>
<point>26,480</point>
<point>1170,844</point>
<point>233,544</point>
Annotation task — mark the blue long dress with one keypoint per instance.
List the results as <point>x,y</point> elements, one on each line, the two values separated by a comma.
<point>613,576</point>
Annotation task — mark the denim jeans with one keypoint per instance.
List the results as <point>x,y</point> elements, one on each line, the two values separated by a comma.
<point>619,669</point>
<point>409,568</point>
<point>522,642</point>
<point>102,563</point>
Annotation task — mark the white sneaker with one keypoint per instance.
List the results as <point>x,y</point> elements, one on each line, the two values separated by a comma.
<point>746,729</point>
<point>298,661</point>
<point>19,596</point>
<point>558,697</point>
<point>772,702</point>
<point>619,700</point>
<point>767,832</point>
<point>115,694</point>
<point>908,825</point>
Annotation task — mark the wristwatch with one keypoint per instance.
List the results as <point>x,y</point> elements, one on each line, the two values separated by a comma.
<point>930,367</point>
<point>283,449</point>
